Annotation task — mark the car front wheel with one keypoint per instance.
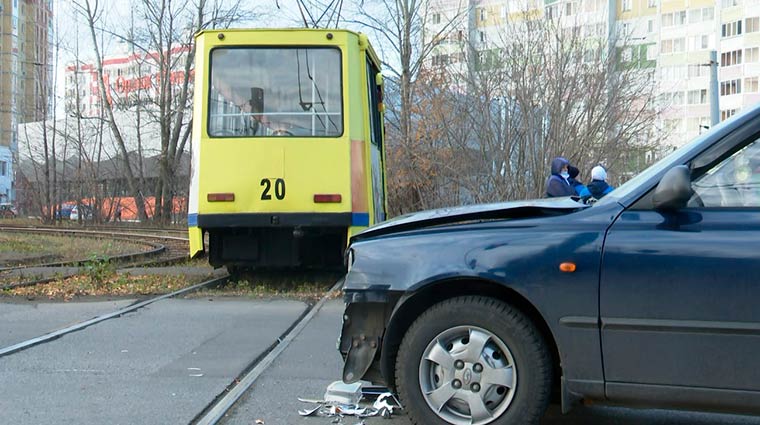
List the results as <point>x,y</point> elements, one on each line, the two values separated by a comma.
<point>473,360</point>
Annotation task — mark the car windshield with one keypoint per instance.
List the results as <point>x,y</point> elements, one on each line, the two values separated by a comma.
<point>626,188</point>
<point>264,92</point>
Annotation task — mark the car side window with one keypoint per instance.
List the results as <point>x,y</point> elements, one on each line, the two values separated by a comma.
<point>734,182</point>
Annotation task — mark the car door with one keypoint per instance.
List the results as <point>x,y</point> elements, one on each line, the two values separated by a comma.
<point>680,290</point>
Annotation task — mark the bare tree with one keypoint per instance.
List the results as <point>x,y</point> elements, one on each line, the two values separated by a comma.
<point>92,13</point>
<point>163,39</point>
<point>406,35</point>
<point>166,38</point>
<point>489,128</point>
<point>43,157</point>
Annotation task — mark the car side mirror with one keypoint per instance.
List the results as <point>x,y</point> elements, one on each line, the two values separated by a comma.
<point>674,190</point>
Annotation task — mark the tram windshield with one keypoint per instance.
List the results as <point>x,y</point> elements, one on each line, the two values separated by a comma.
<point>265,92</point>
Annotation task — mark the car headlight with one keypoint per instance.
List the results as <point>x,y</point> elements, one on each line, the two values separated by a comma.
<point>349,259</point>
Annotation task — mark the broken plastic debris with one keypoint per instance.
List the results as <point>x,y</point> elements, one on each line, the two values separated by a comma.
<point>334,406</point>
<point>382,402</point>
<point>309,412</point>
<point>340,392</point>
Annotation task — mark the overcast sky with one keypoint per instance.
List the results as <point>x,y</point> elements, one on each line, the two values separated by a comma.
<point>72,32</point>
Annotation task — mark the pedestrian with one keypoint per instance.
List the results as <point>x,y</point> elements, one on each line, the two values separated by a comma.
<point>598,186</point>
<point>557,184</point>
<point>117,215</point>
<point>574,181</point>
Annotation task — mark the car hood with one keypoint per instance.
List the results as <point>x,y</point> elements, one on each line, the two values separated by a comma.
<point>502,210</point>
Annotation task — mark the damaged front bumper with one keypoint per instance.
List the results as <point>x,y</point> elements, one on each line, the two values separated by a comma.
<point>364,322</point>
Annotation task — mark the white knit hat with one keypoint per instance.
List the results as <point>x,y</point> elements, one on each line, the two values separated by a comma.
<point>598,173</point>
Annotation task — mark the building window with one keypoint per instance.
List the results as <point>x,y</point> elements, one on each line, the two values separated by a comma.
<point>650,25</point>
<point>676,45</point>
<point>752,54</point>
<point>483,14</point>
<point>729,3</point>
<point>752,24</point>
<point>695,15</point>
<point>731,58</point>
<point>551,12</point>
<point>593,5</point>
<point>482,35</point>
<point>724,115</point>
<point>674,125</point>
<point>652,3</point>
<point>667,19</point>
<point>679,18</point>
<point>698,71</point>
<point>570,8</point>
<point>678,98</point>
<point>697,123</point>
<point>730,87</point>
<point>627,5</point>
<point>651,52</point>
<point>698,97</point>
<point>3,168</point>
<point>627,54</point>
<point>436,18</point>
<point>699,42</point>
<point>750,85</point>
<point>731,29</point>
<point>708,14</point>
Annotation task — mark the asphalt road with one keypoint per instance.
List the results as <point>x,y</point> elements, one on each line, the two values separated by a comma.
<point>19,322</point>
<point>159,365</point>
<point>164,363</point>
<point>311,363</point>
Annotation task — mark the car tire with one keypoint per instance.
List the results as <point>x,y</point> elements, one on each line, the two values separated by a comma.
<point>507,367</point>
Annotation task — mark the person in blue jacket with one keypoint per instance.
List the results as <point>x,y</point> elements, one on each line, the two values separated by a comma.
<point>557,184</point>
<point>598,186</point>
<point>573,180</point>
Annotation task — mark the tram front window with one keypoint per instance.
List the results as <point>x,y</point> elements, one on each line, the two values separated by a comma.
<point>265,92</point>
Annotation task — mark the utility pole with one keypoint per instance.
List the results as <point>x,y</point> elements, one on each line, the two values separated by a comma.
<point>714,95</point>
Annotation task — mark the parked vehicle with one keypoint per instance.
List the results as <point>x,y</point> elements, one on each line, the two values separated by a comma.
<point>86,211</point>
<point>288,154</point>
<point>8,211</point>
<point>649,297</point>
<point>64,212</point>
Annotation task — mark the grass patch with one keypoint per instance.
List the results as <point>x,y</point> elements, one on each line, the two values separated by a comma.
<point>106,285</point>
<point>21,248</point>
<point>302,286</point>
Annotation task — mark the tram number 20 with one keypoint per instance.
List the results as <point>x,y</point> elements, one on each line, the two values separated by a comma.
<point>279,189</point>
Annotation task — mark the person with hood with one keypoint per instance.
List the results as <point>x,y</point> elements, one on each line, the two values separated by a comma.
<point>598,186</point>
<point>557,184</point>
<point>573,179</point>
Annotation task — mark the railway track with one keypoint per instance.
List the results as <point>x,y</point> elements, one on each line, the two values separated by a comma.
<point>161,249</point>
<point>225,401</point>
<point>216,410</point>
<point>165,248</point>
<point>23,345</point>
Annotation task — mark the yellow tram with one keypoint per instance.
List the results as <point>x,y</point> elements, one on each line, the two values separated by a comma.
<point>287,145</point>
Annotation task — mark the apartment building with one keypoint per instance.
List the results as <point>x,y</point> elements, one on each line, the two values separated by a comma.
<point>131,78</point>
<point>671,39</point>
<point>26,31</point>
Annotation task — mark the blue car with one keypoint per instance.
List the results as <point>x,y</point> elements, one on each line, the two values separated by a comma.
<point>64,212</point>
<point>649,297</point>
